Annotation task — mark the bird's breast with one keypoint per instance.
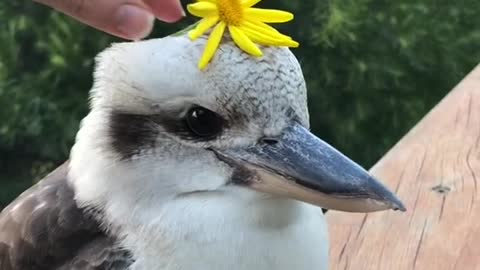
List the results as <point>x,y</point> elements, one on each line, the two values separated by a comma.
<point>235,239</point>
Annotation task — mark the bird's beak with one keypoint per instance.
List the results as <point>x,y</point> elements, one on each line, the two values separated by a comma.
<point>301,166</point>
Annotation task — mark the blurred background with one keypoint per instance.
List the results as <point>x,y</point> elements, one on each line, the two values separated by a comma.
<point>373,69</point>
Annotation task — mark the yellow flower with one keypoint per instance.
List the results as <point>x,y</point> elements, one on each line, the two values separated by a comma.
<point>247,26</point>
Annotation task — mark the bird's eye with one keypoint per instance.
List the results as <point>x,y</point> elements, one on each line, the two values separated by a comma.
<point>204,123</point>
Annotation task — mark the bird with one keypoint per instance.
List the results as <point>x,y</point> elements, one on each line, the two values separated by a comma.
<point>176,168</point>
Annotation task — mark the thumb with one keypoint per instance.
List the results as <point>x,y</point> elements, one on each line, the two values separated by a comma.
<point>129,19</point>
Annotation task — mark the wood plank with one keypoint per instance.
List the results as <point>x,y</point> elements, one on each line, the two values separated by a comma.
<point>435,169</point>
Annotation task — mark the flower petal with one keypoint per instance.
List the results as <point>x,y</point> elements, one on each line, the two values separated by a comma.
<point>243,41</point>
<point>212,45</point>
<point>203,9</point>
<point>262,30</point>
<point>263,39</point>
<point>249,3</point>
<point>204,25</point>
<point>260,27</point>
<point>268,15</point>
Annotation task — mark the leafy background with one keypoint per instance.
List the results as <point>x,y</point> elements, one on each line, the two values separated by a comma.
<point>373,68</point>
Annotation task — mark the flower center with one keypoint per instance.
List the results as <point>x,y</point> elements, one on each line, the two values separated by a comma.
<point>230,11</point>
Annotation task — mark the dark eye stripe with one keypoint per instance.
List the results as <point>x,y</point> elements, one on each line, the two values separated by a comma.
<point>131,133</point>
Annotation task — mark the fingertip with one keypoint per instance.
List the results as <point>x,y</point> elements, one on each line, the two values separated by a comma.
<point>133,22</point>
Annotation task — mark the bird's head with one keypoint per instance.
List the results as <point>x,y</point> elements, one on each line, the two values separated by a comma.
<point>162,130</point>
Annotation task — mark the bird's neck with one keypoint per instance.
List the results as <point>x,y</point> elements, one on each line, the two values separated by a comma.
<point>218,235</point>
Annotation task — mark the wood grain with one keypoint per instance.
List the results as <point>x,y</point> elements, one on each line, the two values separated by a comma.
<point>435,169</point>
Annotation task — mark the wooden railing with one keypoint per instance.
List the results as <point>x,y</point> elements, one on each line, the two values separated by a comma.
<point>435,169</point>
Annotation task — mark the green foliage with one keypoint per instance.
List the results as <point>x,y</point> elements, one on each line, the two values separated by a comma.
<point>373,69</point>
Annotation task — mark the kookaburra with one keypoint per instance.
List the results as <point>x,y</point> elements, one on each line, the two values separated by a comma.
<point>177,168</point>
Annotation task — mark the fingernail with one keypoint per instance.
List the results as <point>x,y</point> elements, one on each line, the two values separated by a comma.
<point>133,22</point>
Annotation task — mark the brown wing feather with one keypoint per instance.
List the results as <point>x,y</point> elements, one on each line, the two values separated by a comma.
<point>43,229</point>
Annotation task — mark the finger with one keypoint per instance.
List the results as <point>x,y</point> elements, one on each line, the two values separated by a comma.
<point>166,10</point>
<point>130,19</point>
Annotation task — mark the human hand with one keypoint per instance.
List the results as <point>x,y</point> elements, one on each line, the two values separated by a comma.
<point>129,19</point>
